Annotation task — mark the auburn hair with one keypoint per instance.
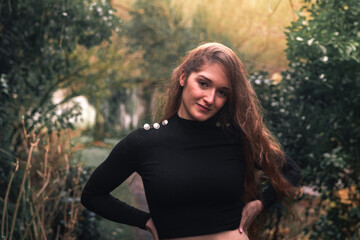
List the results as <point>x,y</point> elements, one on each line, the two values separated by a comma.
<point>243,111</point>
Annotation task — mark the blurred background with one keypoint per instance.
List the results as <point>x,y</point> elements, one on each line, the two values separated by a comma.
<point>77,76</point>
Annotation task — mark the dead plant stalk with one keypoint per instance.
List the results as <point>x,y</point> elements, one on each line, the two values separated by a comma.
<point>32,146</point>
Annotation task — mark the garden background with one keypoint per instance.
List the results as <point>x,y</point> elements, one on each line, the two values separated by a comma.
<point>77,75</point>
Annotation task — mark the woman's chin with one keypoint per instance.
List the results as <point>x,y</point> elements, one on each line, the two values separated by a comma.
<point>201,117</point>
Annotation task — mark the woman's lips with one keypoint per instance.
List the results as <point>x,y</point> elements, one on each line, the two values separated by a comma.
<point>203,108</point>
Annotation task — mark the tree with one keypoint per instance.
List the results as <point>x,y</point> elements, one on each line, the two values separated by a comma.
<point>37,41</point>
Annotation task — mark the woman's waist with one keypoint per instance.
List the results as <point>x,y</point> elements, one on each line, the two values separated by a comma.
<point>225,235</point>
<point>184,226</point>
<point>195,221</point>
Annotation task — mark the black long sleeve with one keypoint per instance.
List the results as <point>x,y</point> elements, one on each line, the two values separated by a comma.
<point>118,166</point>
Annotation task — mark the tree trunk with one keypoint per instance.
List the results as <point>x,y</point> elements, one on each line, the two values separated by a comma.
<point>99,131</point>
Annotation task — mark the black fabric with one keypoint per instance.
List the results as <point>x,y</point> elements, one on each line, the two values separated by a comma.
<point>193,174</point>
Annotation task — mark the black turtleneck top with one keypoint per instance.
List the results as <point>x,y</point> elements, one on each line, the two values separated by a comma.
<point>193,175</point>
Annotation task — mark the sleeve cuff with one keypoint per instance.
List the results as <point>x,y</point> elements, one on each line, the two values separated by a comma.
<point>144,220</point>
<point>269,197</point>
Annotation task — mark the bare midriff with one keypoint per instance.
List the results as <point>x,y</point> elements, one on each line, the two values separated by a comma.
<point>226,235</point>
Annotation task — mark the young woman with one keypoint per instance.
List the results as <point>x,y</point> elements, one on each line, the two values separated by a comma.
<point>199,165</point>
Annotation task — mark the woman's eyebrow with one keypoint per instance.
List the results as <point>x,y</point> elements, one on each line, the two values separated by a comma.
<point>205,78</point>
<point>226,89</point>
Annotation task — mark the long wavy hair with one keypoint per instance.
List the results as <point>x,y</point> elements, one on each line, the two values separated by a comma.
<point>242,110</point>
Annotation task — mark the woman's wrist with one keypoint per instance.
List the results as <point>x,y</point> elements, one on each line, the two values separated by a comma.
<point>148,224</point>
<point>260,205</point>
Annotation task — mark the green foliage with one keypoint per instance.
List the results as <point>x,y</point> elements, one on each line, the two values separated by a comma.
<point>316,110</point>
<point>324,73</point>
<point>37,39</point>
<point>156,31</point>
<point>38,43</point>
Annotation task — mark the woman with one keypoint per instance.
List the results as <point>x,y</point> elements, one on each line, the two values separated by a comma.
<point>198,166</point>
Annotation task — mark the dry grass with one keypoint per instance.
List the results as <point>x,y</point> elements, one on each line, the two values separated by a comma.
<point>49,188</point>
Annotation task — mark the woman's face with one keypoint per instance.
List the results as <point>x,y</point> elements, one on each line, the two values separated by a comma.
<point>204,93</point>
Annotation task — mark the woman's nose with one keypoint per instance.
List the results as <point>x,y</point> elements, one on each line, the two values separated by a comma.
<point>210,97</point>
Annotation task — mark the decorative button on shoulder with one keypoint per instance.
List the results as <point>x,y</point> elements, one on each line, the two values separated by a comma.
<point>155,125</point>
<point>146,126</point>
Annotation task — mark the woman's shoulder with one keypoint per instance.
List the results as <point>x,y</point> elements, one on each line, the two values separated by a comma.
<point>147,134</point>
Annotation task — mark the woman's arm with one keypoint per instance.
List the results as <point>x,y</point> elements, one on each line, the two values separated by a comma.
<point>252,209</point>
<point>291,172</point>
<point>150,226</point>
<point>249,213</point>
<point>118,166</point>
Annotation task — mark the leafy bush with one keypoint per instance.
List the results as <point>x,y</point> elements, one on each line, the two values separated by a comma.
<point>38,40</point>
<point>315,111</point>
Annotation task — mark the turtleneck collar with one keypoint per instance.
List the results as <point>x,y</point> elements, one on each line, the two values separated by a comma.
<point>193,124</point>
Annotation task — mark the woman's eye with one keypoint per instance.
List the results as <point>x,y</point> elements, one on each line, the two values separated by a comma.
<point>223,93</point>
<point>202,83</point>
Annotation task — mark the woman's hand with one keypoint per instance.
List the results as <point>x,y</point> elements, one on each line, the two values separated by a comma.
<point>151,227</point>
<point>249,213</point>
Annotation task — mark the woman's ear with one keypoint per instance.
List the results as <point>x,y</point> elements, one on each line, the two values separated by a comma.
<point>182,79</point>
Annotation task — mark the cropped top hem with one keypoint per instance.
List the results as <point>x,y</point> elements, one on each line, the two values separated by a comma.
<point>199,232</point>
